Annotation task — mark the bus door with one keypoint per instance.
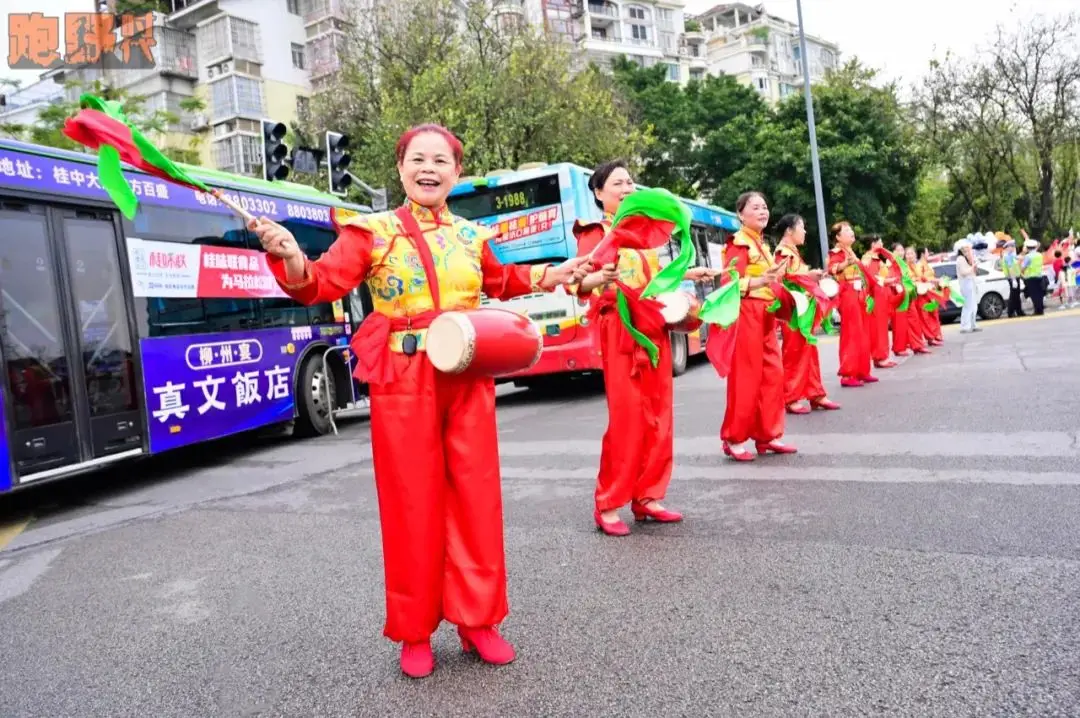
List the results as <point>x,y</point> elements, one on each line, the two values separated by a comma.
<point>67,340</point>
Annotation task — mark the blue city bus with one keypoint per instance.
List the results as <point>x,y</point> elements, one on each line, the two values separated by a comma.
<point>121,339</point>
<point>534,209</point>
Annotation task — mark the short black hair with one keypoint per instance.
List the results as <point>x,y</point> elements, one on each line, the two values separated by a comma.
<point>600,177</point>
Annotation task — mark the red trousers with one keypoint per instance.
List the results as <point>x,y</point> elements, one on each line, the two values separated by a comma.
<point>930,321</point>
<point>878,324</point>
<point>854,335</point>
<point>435,448</point>
<point>909,336</point>
<point>802,368</point>
<point>755,385</point>
<point>638,450</point>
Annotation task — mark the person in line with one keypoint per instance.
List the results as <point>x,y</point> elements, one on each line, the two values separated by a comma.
<point>965,274</point>
<point>882,287</point>
<point>802,365</point>
<point>848,271</point>
<point>638,448</point>
<point>755,382</point>
<point>907,338</point>
<point>930,317</point>
<point>433,435</point>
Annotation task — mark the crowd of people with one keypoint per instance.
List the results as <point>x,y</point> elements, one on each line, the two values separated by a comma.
<point>434,437</point>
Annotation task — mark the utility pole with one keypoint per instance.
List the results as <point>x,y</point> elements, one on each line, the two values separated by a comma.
<point>818,194</point>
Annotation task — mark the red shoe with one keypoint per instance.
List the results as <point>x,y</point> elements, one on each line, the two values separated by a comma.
<point>923,351</point>
<point>869,379</point>
<point>850,382</point>
<point>488,644</point>
<point>417,660</point>
<point>887,364</point>
<point>642,512</point>
<point>616,528</point>
<point>774,446</point>
<point>798,409</point>
<point>904,353</point>
<point>825,405</point>
<point>740,455</point>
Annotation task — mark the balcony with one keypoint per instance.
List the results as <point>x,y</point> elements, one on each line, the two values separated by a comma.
<point>604,10</point>
<point>186,14</point>
<point>229,38</point>
<point>322,57</point>
<point>174,53</point>
<point>318,10</point>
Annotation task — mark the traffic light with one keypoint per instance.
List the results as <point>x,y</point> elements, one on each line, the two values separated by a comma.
<point>337,161</point>
<point>274,150</point>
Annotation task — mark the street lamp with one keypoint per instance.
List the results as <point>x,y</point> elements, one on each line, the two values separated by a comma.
<point>818,195</point>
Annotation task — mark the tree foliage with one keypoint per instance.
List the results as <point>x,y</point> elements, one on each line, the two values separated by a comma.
<point>510,93</point>
<point>1006,128</point>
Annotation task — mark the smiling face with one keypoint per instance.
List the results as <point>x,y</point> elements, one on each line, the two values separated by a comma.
<point>846,237</point>
<point>755,214</point>
<point>429,170</point>
<point>909,255</point>
<point>616,188</point>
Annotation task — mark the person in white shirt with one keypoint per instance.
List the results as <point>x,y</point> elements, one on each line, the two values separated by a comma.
<point>965,273</point>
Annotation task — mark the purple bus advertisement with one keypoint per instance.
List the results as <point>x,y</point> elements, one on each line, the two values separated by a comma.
<point>121,339</point>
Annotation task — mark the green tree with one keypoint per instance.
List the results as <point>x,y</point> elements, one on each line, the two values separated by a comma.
<point>700,134</point>
<point>507,91</point>
<point>870,164</point>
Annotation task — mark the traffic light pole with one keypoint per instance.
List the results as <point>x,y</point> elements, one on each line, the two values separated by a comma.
<point>818,194</point>
<point>379,202</point>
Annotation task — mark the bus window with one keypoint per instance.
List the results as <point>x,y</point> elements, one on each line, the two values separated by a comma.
<point>515,197</point>
<point>168,316</point>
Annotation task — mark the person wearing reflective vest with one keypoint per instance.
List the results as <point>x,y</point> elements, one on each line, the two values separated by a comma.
<point>1032,267</point>
<point>1010,267</point>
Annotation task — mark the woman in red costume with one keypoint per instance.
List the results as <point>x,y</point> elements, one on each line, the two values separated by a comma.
<point>802,367</point>
<point>638,447</point>
<point>918,323</point>
<point>755,381</point>
<point>882,289</point>
<point>907,332</point>
<point>930,317</point>
<point>852,276</point>
<point>433,435</point>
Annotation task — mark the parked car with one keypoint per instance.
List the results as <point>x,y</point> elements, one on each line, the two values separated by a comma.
<point>991,290</point>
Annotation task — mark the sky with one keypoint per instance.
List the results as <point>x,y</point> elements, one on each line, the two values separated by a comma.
<point>897,37</point>
<point>900,38</point>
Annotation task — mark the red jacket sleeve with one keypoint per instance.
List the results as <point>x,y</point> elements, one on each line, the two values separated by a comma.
<point>506,281</point>
<point>835,260</point>
<point>741,257</point>
<point>333,275</point>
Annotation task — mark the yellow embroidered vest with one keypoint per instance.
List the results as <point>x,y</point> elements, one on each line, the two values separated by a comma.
<point>796,265</point>
<point>760,260</point>
<point>396,280</point>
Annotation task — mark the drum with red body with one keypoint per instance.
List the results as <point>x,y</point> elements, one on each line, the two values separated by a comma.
<point>483,342</point>
<point>680,310</point>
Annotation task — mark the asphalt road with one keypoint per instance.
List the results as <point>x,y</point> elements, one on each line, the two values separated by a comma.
<point>919,557</point>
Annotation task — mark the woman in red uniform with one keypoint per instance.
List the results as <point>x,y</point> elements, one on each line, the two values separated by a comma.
<point>848,271</point>
<point>802,367</point>
<point>907,336</point>
<point>755,382</point>
<point>638,447</point>
<point>433,435</point>
<point>882,289</point>
<point>931,319</point>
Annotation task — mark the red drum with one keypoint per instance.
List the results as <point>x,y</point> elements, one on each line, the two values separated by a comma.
<point>483,342</point>
<point>680,311</point>
<point>829,287</point>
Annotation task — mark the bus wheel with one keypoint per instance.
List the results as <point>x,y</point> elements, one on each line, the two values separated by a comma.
<point>312,386</point>
<point>680,353</point>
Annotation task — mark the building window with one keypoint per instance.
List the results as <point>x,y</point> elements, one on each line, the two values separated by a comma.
<point>763,84</point>
<point>235,95</point>
<point>239,154</point>
<point>697,75</point>
<point>293,6</point>
<point>673,72</point>
<point>636,13</point>
<point>298,56</point>
<point>639,32</point>
<point>666,18</point>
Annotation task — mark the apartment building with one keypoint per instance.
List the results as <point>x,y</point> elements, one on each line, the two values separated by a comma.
<point>648,32</point>
<point>759,49</point>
